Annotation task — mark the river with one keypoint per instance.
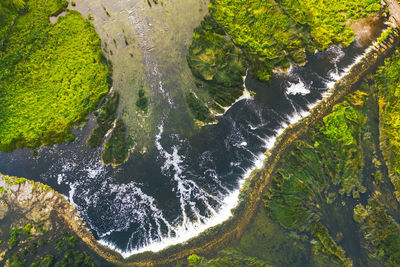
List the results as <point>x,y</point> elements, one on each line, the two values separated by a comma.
<point>188,179</point>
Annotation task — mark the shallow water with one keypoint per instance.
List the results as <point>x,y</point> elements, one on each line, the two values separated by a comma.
<point>188,179</point>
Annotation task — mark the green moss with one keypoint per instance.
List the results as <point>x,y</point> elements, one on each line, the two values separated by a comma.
<point>272,33</point>
<point>198,108</point>
<point>13,241</point>
<point>105,119</point>
<point>75,258</point>
<point>14,261</point>
<point>385,35</point>
<point>117,146</point>
<point>388,80</point>
<point>27,229</point>
<point>218,66</point>
<point>263,35</point>
<point>2,191</point>
<point>232,260</point>
<point>319,174</point>
<point>381,229</point>
<point>51,75</point>
<point>327,245</point>
<point>9,10</point>
<point>194,260</point>
<point>143,102</point>
<point>266,35</point>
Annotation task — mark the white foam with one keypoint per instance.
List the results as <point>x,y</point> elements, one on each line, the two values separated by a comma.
<point>186,188</point>
<point>298,88</point>
<point>337,75</point>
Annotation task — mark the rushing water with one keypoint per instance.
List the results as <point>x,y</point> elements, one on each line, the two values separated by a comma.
<point>181,185</point>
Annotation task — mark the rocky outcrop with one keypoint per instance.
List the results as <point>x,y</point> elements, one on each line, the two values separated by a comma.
<point>24,203</point>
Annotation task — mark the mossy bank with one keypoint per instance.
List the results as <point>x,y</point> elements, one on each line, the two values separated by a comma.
<point>262,36</point>
<point>51,75</point>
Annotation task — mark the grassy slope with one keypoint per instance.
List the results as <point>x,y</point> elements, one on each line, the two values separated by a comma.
<point>51,76</point>
<point>262,35</point>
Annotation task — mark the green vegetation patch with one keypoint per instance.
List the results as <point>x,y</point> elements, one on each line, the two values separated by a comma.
<point>39,252</point>
<point>339,169</point>
<point>319,174</point>
<point>143,102</point>
<point>9,10</point>
<point>272,32</point>
<point>51,75</point>
<point>388,80</point>
<point>381,229</point>
<point>328,20</point>
<point>117,146</point>
<point>262,36</point>
<point>218,66</point>
<point>105,118</point>
<point>199,110</point>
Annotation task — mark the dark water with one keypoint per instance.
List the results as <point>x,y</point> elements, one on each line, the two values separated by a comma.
<point>170,193</point>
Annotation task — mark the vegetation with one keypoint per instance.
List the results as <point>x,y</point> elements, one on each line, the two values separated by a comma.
<point>9,11</point>
<point>219,67</point>
<point>381,229</point>
<point>388,80</point>
<point>264,243</point>
<point>261,36</point>
<point>295,25</point>
<point>34,237</point>
<point>51,75</point>
<point>75,258</point>
<point>198,109</point>
<point>105,119</point>
<point>143,102</point>
<point>13,241</point>
<point>117,146</point>
<point>64,254</point>
<point>324,171</point>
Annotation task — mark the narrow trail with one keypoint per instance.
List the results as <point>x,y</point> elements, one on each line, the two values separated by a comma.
<point>251,195</point>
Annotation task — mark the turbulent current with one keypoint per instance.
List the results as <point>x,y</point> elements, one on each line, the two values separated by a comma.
<point>181,185</point>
